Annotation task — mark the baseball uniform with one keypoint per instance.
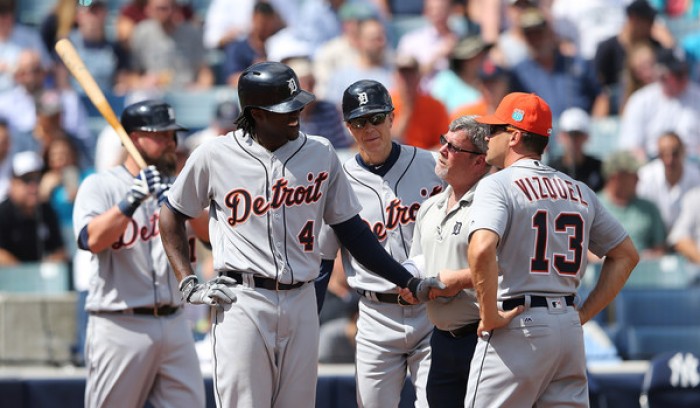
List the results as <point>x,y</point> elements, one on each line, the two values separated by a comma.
<point>139,345</point>
<point>551,221</point>
<point>266,212</point>
<point>391,336</point>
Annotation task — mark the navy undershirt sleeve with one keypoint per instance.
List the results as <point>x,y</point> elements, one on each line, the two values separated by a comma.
<point>356,236</point>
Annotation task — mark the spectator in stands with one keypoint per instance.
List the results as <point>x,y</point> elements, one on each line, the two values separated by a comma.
<point>169,52</point>
<point>638,72</point>
<point>584,24</point>
<point>400,8</point>
<point>510,47</point>
<point>684,238</point>
<point>14,38</point>
<point>373,62</point>
<point>336,343</point>
<point>494,84</point>
<point>666,179</point>
<point>241,53</point>
<point>19,107</point>
<point>459,85</point>
<point>563,81</point>
<point>222,26</point>
<point>320,117</point>
<point>107,62</point>
<point>611,54</point>
<point>58,23</point>
<point>670,103</point>
<point>343,50</point>
<point>432,43</point>
<point>135,11</point>
<point>59,184</point>
<point>5,159</point>
<point>224,121</point>
<point>419,119</point>
<point>30,229</point>
<point>640,217</point>
<point>573,132</point>
<point>319,21</point>
<point>48,122</point>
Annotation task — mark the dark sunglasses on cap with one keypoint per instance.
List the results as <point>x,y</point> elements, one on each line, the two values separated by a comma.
<point>374,120</point>
<point>454,149</point>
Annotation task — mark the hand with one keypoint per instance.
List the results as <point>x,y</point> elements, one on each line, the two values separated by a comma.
<point>163,188</point>
<point>420,288</point>
<point>407,296</point>
<point>503,319</point>
<point>144,185</point>
<point>213,292</point>
<point>452,281</point>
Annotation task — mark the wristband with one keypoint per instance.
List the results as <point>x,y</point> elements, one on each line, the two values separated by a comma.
<point>128,206</point>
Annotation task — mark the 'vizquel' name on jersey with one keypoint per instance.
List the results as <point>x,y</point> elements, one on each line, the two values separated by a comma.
<point>550,188</point>
<point>241,202</point>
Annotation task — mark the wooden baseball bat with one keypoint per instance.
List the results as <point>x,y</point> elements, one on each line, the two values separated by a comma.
<point>76,66</point>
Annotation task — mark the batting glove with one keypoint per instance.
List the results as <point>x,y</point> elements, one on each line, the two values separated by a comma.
<point>163,188</point>
<point>145,184</point>
<point>213,292</point>
<point>420,288</point>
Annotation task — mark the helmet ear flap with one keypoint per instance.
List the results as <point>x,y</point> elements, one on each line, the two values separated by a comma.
<point>366,97</point>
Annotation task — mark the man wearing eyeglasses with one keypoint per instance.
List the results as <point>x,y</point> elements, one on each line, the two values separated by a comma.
<point>440,238</point>
<point>391,182</point>
<point>530,229</point>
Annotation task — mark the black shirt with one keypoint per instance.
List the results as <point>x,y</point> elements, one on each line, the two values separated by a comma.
<point>29,238</point>
<point>589,171</point>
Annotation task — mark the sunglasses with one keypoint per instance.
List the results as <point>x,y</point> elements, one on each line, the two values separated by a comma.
<point>374,120</point>
<point>455,149</point>
<point>30,178</point>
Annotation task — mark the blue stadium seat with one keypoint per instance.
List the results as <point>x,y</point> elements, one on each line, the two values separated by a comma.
<point>652,321</point>
<point>672,380</point>
<point>41,278</point>
<point>33,12</point>
<point>603,138</point>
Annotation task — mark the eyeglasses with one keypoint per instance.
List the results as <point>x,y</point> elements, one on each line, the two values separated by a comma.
<point>374,120</point>
<point>497,129</point>
<point>455,149</point>
<point>30,178</point>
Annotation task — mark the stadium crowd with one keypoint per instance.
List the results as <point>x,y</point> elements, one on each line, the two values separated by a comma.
<point>633,63</point>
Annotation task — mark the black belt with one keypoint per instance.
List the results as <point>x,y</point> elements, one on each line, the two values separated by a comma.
<point>165,310</point>
<point>535,301</point>
<point>264,283</point>
<point>462,331</point>
<point>393,298</point>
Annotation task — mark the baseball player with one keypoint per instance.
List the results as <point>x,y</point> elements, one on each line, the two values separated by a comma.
<point>440,238</point>
<point>139,345</point>
<point>391,181</point>
<point>269,188</point>
<point>530,230</point>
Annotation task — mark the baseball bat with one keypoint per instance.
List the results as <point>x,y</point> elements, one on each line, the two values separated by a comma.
<point>76,66</point>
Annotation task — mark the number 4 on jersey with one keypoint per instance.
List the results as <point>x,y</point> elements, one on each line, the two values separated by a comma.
<point>306,236</point>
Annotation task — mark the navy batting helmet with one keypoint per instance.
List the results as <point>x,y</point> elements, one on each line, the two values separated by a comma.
<point>365,97</point>
<point>271,86</point>
<point>149,116</point>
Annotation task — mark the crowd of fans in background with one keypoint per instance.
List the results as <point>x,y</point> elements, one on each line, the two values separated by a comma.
<point>634,61</point>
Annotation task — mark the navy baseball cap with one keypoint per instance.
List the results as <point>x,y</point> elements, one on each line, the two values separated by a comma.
<point>150,116</point>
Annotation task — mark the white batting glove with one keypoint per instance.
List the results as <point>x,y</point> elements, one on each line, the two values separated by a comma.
<point>163,188</point>
<point>213,292</point>
<point>145,183</point>
<point>420,288</point>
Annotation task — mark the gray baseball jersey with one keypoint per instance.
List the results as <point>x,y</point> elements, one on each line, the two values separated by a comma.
<point>440,237</point>
<point>389,336</point>
<point>546,223</point>
<point>155,356</point>
<point>266,212</point>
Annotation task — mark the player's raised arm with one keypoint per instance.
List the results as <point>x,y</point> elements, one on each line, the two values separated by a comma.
<point>173,234</point>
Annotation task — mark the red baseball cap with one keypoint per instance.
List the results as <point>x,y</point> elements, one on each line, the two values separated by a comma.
<point>524,111</point>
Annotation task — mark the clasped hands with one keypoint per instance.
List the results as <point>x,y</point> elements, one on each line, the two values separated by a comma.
<point>445,286</point>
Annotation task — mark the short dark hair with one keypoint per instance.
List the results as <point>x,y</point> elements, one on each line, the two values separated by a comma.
<point>534,142</point>
<point>7,6</point>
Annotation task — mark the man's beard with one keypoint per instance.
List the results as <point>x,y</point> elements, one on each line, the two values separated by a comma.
<point>165,163</point>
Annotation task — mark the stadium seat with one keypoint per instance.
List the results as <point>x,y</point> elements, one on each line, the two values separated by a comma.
<point>44,278</point>
<point>33,12</point>
<point>652,321</point>
<point>672,380</point>
<point>603,138</point>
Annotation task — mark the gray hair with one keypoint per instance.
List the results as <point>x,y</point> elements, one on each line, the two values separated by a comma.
<point>476,131</point>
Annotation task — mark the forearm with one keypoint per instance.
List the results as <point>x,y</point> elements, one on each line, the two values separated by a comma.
<point>105,229</point>
<point>617,266</point>
<point>484,270</point>
<point>7,259</point>
<point>173,235</point>
<point>356,236</point>
<point>688,249</point>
